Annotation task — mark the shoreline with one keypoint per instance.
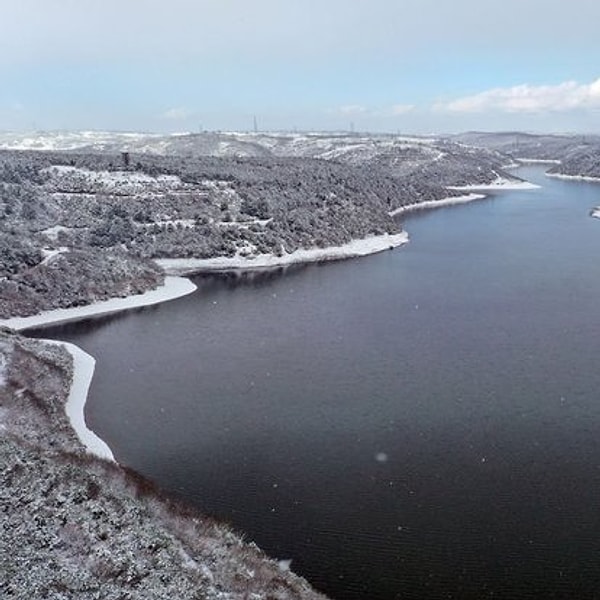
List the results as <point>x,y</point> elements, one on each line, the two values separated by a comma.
<point>84,365</point>
<point>175,286</point>
<point>574,177</point>
<point>539,161</point>
<point>353,249</point>
<point>427,204</point>
<point>500,185</point>
<point>172,288</point>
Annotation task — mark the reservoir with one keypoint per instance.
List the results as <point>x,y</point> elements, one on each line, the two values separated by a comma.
<point>421,423</point>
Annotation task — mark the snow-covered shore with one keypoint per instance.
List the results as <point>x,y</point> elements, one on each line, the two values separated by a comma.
<point>449,201</point>
<point>173,287</point>
<point>500,184</point>
<point>539,161</point>
<point>83,363</point>
<point>83,371</point>
<point>574,177</point>
<point>355,248</point>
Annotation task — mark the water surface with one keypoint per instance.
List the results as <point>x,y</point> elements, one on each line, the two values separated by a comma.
<point>423,423</point>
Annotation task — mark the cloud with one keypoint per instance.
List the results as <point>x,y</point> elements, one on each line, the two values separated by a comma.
<point>352,109</point>
<point>525,98</point>
<point>355,110</point>
<point>72,31</point>
<point>178,113</point>
<point>401,109</point>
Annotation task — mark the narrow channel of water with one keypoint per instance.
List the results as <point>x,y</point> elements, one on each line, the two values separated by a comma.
<point>422,423</point>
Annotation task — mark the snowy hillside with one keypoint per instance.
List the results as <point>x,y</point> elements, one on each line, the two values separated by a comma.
<point>84,201</point>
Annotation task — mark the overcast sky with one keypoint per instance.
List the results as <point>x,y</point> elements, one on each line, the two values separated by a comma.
<point>414,66</point>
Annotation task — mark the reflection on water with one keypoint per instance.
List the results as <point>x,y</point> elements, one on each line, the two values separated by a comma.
<point>423,423</point>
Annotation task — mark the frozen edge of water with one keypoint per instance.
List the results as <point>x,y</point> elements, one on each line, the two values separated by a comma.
<point>173,287</point>
<point>353,249</point>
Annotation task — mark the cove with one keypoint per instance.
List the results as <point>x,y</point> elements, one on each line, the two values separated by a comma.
<point>421,423</point>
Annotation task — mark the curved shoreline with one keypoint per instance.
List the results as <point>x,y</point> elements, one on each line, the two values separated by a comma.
<point>353,249</point>
<point>83,371</point>
<point>538,161</point>
<point>173,287</point>
<point>83,363</point>
<point>574,177</point>
<point>427,204</point>
<point>500,185</point>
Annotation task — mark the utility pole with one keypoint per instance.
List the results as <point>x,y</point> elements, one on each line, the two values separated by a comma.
<point>255,125</point>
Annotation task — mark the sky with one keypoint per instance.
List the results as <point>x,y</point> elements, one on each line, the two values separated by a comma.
<point>410,66</point>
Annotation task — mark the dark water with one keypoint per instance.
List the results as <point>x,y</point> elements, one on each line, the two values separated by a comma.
<point>424,423</point>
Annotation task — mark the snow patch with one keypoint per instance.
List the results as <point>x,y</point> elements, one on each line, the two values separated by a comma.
<point>52,232</point>
<point>184,223</point>
<point>173,287</point>
<point>187,561</point>
<point>355,248</point>
<point>284,565</point>
<point>3,366</point>
<point>538,161</point>
<point>113,178</point>
<point>596,212</point>
<point>49,254</point>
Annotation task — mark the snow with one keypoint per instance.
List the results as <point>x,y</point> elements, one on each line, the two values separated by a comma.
<point>284,564</point>
<point>355,248</point>
<point>185,223</point>
<point>83,371</point>
<point>538,161</point>
<point>50,254</point>
<point>69,140</point>
<point>381,457</point>
<point>83,363</point>
<point>52,232</point>
<point>174,287</point>
<point>574,177</point>
<point>450,200</point>
<point>113,178</point>
<point>596,212</point>
<point>2,370</point>
<point>500,183</point>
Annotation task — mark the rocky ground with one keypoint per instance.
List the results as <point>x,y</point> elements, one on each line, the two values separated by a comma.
<point>76,527</point>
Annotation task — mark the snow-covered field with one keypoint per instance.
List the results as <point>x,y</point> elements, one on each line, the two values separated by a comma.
<point>174,287</point>
<point>134,181</point>
<point>355,248</point>
<point>53,232</point>
<point>69,140</point>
